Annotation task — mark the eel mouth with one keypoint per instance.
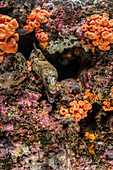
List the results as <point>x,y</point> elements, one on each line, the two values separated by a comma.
<point>50,95</point>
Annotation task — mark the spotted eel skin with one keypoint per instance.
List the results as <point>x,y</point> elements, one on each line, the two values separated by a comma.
<point>46,71</point>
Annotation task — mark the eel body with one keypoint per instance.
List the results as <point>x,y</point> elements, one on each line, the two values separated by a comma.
<point>46,71</point>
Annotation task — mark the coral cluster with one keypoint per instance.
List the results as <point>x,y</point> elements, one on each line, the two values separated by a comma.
<point>36,17</point>
<point>107,105</point>
<point>78,110</point>
<point>99,29</point>
<point>8,37</point>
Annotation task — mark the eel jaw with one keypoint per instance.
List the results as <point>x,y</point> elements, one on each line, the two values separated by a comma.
<point>50,86</point>
<point>50,96</point>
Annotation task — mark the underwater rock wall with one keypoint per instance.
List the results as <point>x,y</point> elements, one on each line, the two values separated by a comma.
<point>75,131</point>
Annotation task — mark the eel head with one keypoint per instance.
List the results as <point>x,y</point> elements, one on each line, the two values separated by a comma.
<point>50,86</point>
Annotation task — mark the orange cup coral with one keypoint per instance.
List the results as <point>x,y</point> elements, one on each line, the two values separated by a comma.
<point>41,37</point>
<point>64,112</point>
<point>29,65</point>
<point>8,37</point>
<point>1,58</point>
<point>107,105</point>
<point>99,29</point>
<point>77,117</point>
<point>36,17</point>
<point>79,109</point>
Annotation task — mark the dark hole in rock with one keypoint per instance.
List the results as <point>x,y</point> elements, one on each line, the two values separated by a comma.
<point>68,67</point>
<point>65,125</point>
<point>25,44</point>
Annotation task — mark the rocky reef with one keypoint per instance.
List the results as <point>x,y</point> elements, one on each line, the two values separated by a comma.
<point>56,85</point>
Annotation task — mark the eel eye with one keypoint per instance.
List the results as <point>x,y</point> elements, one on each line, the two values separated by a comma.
<point>47,82</point>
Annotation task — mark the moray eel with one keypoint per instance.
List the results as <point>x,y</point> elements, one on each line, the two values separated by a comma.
<point>46,71</point>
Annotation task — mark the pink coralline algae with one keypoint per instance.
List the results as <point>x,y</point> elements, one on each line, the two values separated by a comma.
<point>9,128</point>
<point>2,105</point>
<point>29,99</point>
<point>99,83</point>
<point>63,19</point>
